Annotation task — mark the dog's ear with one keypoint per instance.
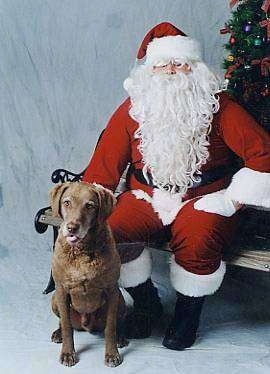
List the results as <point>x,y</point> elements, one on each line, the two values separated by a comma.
<point>55,197</point>
<point>106,201</point>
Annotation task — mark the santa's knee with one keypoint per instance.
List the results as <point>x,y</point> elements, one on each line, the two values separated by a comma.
<point>197,269</point>
<point>196,266</point>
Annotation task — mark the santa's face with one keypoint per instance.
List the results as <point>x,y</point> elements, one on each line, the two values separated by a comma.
<point>171,67</point>
<point>173,105</point>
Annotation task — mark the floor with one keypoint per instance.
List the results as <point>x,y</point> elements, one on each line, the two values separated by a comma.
<point>234,334</point>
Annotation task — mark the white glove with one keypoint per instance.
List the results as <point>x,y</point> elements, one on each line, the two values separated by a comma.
<point>216,202</point>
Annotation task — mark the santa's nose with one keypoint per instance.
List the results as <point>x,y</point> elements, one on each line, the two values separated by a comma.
<point>171,68</point>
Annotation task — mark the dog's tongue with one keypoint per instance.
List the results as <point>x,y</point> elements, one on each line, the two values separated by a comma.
<point>72,239</point>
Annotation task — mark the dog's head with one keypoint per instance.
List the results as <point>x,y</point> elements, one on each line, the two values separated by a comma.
<point>82,206</point>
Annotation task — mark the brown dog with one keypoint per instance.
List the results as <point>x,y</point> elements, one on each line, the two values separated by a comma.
<point>86,268</point>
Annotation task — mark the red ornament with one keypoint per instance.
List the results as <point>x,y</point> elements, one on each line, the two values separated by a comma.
<point>232,40</point>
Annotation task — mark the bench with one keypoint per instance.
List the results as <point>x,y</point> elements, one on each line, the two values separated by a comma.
<point>250,249</point>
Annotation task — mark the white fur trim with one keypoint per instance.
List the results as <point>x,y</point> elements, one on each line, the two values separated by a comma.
<point>164,203</point>
<point>136,271</point>
<point>250,187</point>
<point>191,284</point>
<point>167,205</point>
<point>172,47</point>
<point>141,195</point>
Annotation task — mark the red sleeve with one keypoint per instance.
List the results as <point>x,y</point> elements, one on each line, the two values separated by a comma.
<point>113,151</point>
<point>245,137</point>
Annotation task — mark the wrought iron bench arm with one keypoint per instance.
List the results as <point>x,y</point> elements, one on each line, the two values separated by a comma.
<point>63,175</point>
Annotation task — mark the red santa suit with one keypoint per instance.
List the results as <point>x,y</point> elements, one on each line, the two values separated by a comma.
<point>197,226</point>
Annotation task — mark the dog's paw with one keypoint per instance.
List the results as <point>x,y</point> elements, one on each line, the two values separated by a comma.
<point>57,336</point>
<point>113,360</point>
<point>68,358</point>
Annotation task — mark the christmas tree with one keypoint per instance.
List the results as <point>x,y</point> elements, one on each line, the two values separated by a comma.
<point>248,63</point>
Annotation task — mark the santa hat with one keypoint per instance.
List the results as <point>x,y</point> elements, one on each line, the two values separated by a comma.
<point>164,42</point>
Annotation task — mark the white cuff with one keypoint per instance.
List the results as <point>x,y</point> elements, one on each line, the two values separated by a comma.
<point>216,202</point>
<point>196,285</point>
<point>136,271</point>
<point>250,187</point>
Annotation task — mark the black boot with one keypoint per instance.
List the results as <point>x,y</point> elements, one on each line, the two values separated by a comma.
<point>181,332</point>
<point>147,309</point>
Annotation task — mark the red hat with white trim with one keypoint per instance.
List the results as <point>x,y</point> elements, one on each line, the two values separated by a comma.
<point>165,42</point>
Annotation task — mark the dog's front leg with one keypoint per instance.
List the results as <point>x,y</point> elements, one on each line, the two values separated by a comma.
<point>112,356</point>
<point>67,356</point>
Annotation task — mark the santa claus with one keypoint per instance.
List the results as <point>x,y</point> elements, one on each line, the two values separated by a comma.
<point>181,138</point>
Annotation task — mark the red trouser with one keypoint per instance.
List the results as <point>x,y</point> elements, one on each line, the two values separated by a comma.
<point>196,237</point>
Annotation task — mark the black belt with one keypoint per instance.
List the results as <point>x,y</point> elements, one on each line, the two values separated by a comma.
<point>207,177</point>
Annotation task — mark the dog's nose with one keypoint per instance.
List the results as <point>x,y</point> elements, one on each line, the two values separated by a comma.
<point>72,227</point>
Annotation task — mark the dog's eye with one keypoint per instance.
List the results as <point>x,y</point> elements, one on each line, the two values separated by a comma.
<point>66,203</point>
<point>90,205</point>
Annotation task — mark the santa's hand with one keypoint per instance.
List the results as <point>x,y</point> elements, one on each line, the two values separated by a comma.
<point>217,203</point>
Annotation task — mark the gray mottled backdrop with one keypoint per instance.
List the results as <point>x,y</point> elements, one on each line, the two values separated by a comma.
<point>62,66</point>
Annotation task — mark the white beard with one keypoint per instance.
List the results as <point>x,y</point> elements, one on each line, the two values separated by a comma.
<point>174,113</point>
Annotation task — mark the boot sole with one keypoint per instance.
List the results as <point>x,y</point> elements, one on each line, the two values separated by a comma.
<point>177,346</point>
